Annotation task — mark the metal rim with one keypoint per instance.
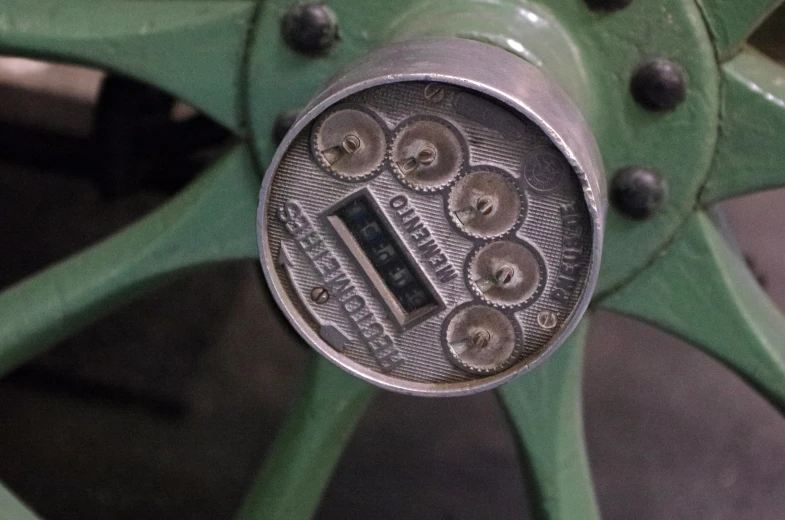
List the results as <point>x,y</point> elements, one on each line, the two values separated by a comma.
<point>345,85</point>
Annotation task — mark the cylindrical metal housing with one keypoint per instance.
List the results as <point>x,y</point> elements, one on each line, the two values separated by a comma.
<point>433,222</point>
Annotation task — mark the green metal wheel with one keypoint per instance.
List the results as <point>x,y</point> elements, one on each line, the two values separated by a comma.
<point>228,59</point>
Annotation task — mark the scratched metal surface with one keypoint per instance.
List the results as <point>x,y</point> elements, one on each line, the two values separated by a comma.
<point>299,178</point>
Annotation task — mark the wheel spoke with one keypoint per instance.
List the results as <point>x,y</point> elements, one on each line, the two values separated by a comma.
<point>702,291</point>
<point>308,446</point>
<point>544,408</point>
<point>212,220</point>
<point>732,21</point>
<point>11,508</point>
<point>193,50</point>
<point>751,147</point>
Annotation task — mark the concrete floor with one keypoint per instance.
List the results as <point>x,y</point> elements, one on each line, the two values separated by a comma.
<point>165,408</point>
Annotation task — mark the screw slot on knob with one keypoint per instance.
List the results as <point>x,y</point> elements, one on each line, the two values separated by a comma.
<point>485,206</point>
<point>424,157</point>
<point>351,144</point>
<point>348,146</point>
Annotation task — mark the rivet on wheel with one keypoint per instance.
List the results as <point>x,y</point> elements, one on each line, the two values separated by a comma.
<point>659,85</point>
<point>608,5</point>
<point>638,192</point>
<point>319,295</point>
<point>310,28</point>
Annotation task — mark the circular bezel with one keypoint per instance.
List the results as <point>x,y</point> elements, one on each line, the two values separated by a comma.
<point>494,74</point>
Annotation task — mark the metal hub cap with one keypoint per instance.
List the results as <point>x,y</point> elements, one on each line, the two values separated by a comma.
<point>464,254</point>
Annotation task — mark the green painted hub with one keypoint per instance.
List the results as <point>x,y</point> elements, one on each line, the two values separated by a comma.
<point>591,55</point>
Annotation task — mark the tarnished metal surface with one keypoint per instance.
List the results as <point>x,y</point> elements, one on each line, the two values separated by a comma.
<point>493,222</point>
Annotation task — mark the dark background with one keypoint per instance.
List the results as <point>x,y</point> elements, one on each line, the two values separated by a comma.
<point>165,408</point>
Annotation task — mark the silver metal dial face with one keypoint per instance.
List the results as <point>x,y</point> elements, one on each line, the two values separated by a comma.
<point>429,244</point>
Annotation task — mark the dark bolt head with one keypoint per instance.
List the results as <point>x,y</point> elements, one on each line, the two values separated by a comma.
<point>638,192</point>
<point>659,85</point>
<point>282,124</point>
<point>310,28</point>
<point>607,5</point>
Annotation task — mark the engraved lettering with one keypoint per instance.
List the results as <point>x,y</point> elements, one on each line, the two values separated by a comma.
<point>437,261</point>
<point>569,270</point>
<point>310,240</point>
<point>329,266</point>
<point>560,296</point>
<point>571,255</point>
<point>398,201</point>
<point>446,274</point>
<point>411,225</point>
<point>572,251</point>
<point>365,318</point>
<point>372,330</point>
<point>419,235</point>
<point>429,249</point>
<point>297,227</point>
<point>288,212</point>
<point>565,284</point>
<point>340,285</point>
<point>354,303</point>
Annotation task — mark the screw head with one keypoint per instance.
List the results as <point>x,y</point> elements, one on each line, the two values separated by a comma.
<point>351,143</point>
<point>434,93</point>
<point>504,275</point>
<point>607,5</point>
<point>659,85</point>
<point>426,156</point>
<point>547,319</point>
<point>310,28</point>
<point>485,205</point>
<point>319,295</point>
<point>638,192</point>
<point>283,123</point>
<point>480,339</point>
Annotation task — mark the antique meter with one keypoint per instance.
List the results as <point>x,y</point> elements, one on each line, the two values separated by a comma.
<point>433,222</point>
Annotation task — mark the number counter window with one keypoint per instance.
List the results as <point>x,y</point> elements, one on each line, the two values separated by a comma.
<point>367,235</point>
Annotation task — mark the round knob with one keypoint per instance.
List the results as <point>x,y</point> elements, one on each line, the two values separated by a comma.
<point>449,199</point>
